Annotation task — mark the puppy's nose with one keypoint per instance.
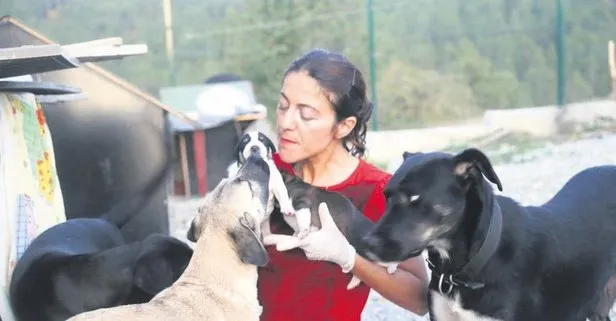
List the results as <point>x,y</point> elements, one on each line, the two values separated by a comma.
<point>372,243</point>
<point>255,149</point>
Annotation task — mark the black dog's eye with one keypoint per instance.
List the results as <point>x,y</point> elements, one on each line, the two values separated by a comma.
<point>411,199</point>
<point>405,198</point>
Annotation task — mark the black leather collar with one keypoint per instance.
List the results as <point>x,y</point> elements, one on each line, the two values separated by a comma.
<point>447,282</point>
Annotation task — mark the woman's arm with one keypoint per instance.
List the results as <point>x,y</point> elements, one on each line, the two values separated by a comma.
<point>407,287</point>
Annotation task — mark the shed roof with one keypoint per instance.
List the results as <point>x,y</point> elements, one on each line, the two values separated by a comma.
<point>101,71</point>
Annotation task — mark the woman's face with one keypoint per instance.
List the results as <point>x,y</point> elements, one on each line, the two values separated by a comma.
<point>305,118</point>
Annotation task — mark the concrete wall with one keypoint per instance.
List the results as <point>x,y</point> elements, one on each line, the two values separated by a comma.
<point>543,121</point>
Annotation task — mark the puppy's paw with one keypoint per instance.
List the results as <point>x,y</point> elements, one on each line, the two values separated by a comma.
<point>302,233</point>
<point>286,208</point>
<point>391,268</point>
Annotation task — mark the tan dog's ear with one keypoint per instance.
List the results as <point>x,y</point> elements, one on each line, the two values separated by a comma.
<point>247,243</point>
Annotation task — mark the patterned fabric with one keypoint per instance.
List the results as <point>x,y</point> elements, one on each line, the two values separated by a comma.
<point>30,196</point>
<point>292,287</point>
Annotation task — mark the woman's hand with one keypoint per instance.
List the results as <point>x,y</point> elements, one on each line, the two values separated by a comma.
<point>326,244</point>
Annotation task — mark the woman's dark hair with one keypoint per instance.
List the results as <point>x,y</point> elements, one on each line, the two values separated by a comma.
<point>346,88</point>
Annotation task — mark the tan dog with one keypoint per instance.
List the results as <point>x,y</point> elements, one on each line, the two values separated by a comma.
<point>220,282</point>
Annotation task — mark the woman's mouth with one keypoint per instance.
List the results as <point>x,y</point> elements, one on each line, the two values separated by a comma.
<point>284,141</point>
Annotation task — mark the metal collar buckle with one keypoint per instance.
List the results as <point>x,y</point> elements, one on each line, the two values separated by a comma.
<point>446,281</point>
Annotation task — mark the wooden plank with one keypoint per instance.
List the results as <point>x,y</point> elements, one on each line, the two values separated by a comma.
<point>184,162</point>
<point>27,60</point>
<point>102,53</point>
<point>37,88</point>
<point>612,63</point>
<point>55,99</point>
<point>111,41</point>
<point>247,117</point>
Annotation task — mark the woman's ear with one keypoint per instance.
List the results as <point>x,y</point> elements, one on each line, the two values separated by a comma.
<point>345,126</point>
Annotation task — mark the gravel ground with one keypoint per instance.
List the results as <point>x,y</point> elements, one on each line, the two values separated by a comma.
<point>531,178</point>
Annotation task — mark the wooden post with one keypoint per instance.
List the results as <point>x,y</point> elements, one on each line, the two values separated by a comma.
<point>612,65</point>
<point>200,161</point>
<point>184,162</point>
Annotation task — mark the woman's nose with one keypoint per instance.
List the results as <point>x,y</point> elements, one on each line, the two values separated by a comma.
<point>286,120</point>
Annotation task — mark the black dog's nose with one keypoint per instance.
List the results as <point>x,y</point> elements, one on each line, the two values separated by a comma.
<point>255,149</point>
<point>372,243</point>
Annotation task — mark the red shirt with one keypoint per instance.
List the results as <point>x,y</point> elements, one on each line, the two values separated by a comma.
<point>292,287</point>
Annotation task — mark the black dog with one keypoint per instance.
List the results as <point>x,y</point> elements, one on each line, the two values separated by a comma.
<point>492,259</point>
<point>68,255</point>
<point>351,222</point>
<point>126,274</point>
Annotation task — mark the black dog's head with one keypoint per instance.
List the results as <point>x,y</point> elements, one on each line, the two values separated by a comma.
<point>426,200</point>
<point>254,143</point>
<point>160,262</point>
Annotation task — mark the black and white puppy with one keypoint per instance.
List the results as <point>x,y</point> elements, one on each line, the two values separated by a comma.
<point>491,258</point>
<point>351,222</point>
<point>258,143</point>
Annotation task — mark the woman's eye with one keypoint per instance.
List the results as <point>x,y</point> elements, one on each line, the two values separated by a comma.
<point>306,115</point>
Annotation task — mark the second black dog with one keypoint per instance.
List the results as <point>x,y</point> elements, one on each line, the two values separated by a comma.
<point>492,259</point>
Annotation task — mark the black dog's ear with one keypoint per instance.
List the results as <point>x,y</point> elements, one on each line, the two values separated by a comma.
<point>247,243</point>
<point>161,261</point>
<point>406,155</point>
<point>473,157</point>
<point>191,234</point>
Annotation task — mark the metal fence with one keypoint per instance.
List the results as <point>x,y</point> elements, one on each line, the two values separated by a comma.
<point>434,61</point>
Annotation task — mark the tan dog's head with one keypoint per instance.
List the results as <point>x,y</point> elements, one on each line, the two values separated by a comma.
<point>236,207</point>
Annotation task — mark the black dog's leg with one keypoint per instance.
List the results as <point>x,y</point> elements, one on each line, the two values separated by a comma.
<point>595,317</point>
<point>601,312</point>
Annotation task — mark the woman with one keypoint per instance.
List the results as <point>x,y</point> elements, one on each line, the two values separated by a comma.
<point>321,123</point>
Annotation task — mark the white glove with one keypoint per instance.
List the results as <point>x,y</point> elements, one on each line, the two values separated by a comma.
<point>326,244</point>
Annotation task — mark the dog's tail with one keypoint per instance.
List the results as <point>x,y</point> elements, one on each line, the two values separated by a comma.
<point>126,209</point>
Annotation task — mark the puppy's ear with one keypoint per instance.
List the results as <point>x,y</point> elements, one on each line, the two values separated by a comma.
<point>473,158</point>
<point>406,155</point>
<point>270,146</point>
<point>239,152</point>
<point>192,234</point>
<point>247,243</point>
<point>160,262</point>
<point>239,148</point>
